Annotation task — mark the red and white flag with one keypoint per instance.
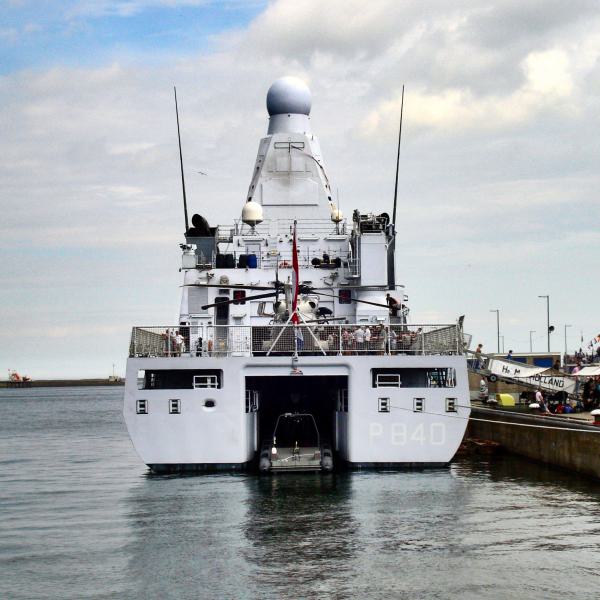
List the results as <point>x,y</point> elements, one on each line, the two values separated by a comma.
<point>295,278</point>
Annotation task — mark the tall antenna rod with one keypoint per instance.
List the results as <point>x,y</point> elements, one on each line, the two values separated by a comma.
<point>187,225</point>
<point>398,160</point>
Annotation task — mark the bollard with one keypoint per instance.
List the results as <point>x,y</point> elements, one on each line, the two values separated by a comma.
<point>596,415</point>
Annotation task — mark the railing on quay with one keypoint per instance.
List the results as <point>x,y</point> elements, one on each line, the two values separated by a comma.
<point>288,340</point>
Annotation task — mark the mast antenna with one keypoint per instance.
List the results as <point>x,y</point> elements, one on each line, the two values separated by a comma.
<point>185,212</point>
<point>398,161</point>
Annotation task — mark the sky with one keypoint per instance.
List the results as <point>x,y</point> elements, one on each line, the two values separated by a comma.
<point>499,191</point>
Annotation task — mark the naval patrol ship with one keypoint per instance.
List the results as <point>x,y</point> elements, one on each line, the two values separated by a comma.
<point>294,348</point>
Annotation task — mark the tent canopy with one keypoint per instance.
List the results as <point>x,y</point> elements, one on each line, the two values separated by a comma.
<point>588,372</point>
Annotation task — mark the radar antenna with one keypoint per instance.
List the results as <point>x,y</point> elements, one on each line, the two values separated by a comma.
<point>398,161</point>
<point>185,212</point>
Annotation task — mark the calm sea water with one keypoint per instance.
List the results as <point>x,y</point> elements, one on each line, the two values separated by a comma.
<point>81,517</point>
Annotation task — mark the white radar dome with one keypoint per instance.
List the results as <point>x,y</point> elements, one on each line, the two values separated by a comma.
<point>252,213</point>
<point>289,95</point>
<point>336,214</point>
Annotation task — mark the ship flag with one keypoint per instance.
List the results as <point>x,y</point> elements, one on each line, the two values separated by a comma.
<point>295,279</point>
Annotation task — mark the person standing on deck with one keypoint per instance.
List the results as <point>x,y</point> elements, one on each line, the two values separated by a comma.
<point>179,343</point>
<point>359,338</point>
<point>393,304</point>
<point>368,339</point>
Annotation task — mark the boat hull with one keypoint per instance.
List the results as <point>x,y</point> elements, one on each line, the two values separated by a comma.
<point>220,429</point>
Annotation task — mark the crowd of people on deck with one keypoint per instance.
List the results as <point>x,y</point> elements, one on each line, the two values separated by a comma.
<point>174,342</point>
<point>372,340</point>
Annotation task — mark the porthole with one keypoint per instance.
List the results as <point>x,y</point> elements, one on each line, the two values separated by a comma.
<point>209,404</point>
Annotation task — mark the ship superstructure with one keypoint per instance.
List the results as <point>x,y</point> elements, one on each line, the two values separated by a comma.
<point>294,310</point>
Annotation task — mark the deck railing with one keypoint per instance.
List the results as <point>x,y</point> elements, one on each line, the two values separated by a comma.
<point>287,340</point>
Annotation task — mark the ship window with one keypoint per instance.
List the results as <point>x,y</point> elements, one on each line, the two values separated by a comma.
<point>141,378</point>
<point>428,377</point>
<point>174,406</point>
<point>141,407</point>
<point>345,297</point>
<point>387,380</point>
<point>183,379</point>
<point>451,405</point>
<point>384,405</point>
<point>239,296</point>
<point>418,404</point>
<point>205,381</point>
<point>209,403</point>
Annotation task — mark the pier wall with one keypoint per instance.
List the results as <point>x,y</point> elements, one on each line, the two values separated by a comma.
<point>560,442</point>
<point>63,383</point>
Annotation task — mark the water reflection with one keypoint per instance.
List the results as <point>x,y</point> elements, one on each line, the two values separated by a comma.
<point>82,520</point>
<point>301,532</point>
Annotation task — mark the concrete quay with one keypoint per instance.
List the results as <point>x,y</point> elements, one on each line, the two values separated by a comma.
<point>570,443</point>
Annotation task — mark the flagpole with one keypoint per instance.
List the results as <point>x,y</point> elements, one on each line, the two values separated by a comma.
<point>296,282</point>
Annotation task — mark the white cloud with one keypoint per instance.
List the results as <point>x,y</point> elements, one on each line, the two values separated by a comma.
<point>549,83</point>
<point>499,164</point>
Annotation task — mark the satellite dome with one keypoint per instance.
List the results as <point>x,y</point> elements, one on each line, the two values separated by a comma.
<point>289,95</point>
<point>252,213</point>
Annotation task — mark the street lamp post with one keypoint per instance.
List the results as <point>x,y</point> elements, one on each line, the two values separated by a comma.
<point>497,311</point>
<point>547,318</point>
<point>531,340</point>
<point>566,338</point>
<point>502,338</point>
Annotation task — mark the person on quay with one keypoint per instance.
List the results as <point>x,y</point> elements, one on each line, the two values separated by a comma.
<point>539,398</point>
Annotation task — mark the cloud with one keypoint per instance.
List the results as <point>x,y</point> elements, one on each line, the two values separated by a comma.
<point>549,83</point>
<point>499,165</point>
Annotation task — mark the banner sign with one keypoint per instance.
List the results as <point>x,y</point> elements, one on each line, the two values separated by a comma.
<point>531,375</point>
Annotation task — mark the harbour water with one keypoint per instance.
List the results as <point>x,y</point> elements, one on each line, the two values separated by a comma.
<point>83,518</point>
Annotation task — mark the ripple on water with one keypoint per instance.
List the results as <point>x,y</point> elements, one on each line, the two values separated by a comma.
<point>82,518</point>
